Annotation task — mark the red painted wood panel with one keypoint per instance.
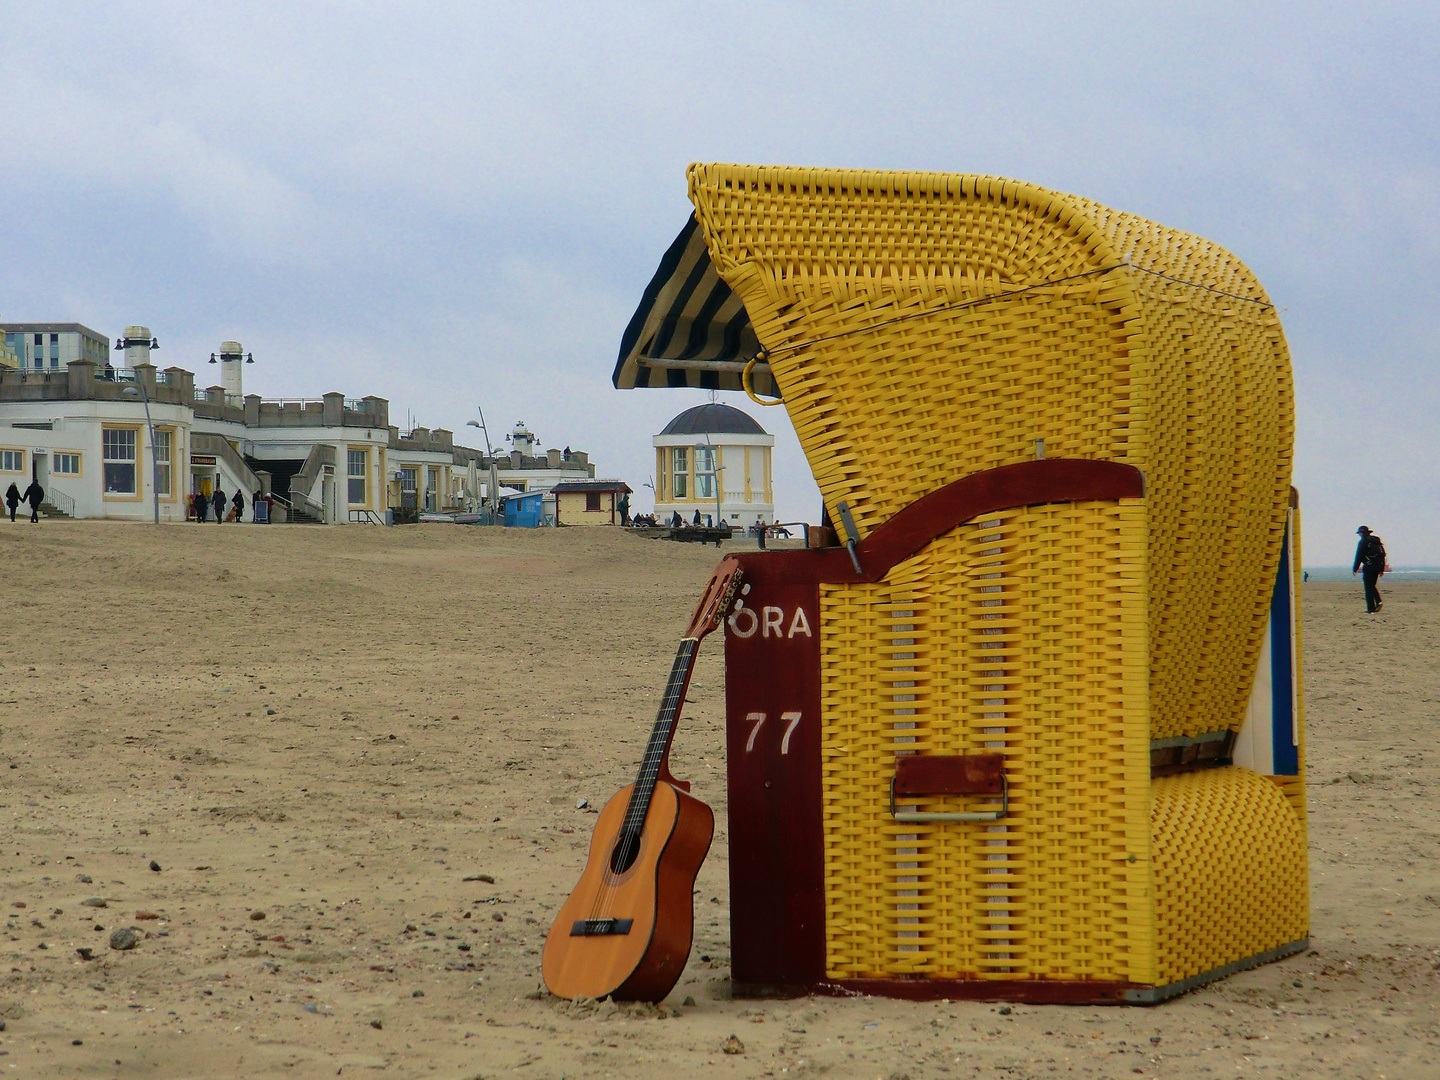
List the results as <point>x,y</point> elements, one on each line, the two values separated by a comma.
<point>772,748</point>
<point>949,774</point>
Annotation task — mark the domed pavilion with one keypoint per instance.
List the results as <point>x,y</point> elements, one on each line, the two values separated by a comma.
<point>714,459</point>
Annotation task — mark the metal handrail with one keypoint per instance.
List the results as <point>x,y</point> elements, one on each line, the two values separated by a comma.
<point>60,501</point>
<point>367,517</point>
<point>309,505</point>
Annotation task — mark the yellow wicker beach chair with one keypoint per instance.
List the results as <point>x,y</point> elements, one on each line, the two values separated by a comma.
<point>1035,730</point>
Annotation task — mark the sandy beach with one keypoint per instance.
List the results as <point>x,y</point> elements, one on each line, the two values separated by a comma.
<point>355,755</point>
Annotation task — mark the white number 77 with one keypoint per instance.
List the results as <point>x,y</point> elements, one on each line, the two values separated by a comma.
<point>759,718</point>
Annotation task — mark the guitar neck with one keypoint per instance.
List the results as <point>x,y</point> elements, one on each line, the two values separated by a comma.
<point>661,734</point>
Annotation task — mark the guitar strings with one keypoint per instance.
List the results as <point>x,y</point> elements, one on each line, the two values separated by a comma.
<point>638,808</point>
<point>632,830</point>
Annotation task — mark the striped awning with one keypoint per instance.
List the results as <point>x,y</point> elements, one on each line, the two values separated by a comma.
<point>690,329</point>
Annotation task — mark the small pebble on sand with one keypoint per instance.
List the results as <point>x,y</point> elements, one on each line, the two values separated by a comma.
<point>154,866</point>
<point>127,937</point>
<point>256,916</point>
<point>732,1045</point>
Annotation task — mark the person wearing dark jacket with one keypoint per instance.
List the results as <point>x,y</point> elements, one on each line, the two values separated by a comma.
<point>217,503</point>
<point>12,500</point>
<point>238,502</point>
<point>1369,564</point>
<point>34,495</point>
<point>202,506</point>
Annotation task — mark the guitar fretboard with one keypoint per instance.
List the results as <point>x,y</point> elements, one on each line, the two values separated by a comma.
<point>660,737</point>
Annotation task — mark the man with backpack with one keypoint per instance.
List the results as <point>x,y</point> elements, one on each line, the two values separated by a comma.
<point>1370,564</point>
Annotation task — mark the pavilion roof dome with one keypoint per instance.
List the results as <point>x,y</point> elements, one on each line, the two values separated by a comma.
<point>713,419</point>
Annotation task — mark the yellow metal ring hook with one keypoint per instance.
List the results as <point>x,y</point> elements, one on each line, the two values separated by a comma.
<point>749,390</point>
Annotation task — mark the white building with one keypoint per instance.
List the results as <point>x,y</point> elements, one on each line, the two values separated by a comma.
<point>50,346</point>
<point>714,460</point>
<point>83,432</point>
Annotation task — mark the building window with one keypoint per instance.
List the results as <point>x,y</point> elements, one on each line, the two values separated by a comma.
<point>54,350</point>
<point>67,464</point>
<point>12,460</point>
<point>592,500</point>
<point>358,464</point>
<point>162,460</point>
<point>680,468</point>
<point>409,480</point>
<point>118,451</point>
<point>705,472</point>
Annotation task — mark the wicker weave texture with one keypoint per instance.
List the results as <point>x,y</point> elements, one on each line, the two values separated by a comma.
<point>1231,870</point>
<point>1111,362</point>
<point>1022,633</point>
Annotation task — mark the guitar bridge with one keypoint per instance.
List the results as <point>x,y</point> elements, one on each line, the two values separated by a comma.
<point>600,927</point>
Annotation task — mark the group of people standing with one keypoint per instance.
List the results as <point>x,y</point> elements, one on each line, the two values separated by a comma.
<point>34,495</point>
<point>216,502</point>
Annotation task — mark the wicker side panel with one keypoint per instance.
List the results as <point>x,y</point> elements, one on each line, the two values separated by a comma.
<point>1022,633</point>
<point>1231,870</point>
<point>1220,406</point>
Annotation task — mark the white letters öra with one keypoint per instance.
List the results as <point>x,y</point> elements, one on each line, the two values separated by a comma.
<point>768,621</point>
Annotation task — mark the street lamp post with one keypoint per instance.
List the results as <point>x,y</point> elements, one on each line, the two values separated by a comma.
<point>152,344</point>
<point>716,470</point>
<point>154,461</point>
<point>490,454</point>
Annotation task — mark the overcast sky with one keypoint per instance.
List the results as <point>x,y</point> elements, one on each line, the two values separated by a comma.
<point>454,205</point>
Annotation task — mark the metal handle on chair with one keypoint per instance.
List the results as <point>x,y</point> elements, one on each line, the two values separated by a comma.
<point>915,816</point>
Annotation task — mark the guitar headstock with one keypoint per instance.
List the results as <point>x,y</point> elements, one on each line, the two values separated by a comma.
<point>715,603</point>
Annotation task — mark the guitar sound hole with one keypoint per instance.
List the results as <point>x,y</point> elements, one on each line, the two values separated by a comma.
<point>623,855</point>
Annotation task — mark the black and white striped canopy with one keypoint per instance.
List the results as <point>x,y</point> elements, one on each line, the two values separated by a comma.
<point>690,329</point>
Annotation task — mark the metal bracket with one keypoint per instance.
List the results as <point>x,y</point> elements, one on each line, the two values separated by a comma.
<point>850,538</point>
<point>914,816</point>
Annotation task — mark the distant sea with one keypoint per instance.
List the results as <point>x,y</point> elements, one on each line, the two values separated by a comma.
<point>1397,576</point>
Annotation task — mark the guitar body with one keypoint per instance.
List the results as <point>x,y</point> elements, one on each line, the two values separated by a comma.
<point>644,962</point>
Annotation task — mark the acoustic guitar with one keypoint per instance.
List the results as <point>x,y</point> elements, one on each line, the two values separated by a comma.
<point>625,931</point>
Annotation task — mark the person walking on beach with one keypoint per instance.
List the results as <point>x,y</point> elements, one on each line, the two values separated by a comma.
<point>238,502</point>
<point>202,506</point>
<point>217,503</point>
<point>12,500</point>
<point>34,495</point>
<point>1370,564</point>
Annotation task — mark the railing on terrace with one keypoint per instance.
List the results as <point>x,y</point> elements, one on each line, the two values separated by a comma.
<point>233,400</point>
<point>351,404</point>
